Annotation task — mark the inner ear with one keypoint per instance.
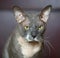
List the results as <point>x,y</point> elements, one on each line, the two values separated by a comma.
<point>44,15</point>
<point>19,14</point>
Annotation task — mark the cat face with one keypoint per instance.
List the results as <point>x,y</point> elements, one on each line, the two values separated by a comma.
<point>32,24</point>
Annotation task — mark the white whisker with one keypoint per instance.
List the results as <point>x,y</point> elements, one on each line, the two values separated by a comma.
<point>48,48</point>
<point>49,45</point>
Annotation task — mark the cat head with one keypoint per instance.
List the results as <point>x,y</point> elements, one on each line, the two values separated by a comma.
<point>32,24</point>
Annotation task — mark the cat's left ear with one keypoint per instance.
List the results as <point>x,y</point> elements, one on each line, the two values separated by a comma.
<point>19,14</point>
<point>44,15</point>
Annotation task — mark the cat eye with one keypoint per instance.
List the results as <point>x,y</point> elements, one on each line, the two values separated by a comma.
<point>41,27</point>
<point>26,27</point>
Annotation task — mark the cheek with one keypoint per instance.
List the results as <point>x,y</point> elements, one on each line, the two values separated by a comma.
<point>21,30</point>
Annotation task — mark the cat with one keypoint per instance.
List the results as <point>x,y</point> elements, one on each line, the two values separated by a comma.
<point>27,40</point>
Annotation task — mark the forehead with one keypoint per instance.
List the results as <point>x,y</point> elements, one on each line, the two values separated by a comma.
<point>33,17</point>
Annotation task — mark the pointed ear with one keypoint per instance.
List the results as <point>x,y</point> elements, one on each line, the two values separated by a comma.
<point>44,15</point>
<point>19,14</point>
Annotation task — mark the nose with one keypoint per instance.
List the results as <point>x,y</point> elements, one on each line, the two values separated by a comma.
<point>33,34</point>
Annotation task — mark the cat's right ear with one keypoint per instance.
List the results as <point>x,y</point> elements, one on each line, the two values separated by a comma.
<point>19,14</point>
<point>44,15</point>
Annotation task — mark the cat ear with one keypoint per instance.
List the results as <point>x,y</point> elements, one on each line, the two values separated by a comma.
<point>45,13</point>
<point>19,14</point>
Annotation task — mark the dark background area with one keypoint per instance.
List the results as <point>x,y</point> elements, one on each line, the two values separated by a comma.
<point>8,22</point>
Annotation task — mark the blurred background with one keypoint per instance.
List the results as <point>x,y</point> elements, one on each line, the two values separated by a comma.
<point>8,22</point>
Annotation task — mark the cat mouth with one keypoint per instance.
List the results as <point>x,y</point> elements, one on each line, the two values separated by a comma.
<point>33,43</point>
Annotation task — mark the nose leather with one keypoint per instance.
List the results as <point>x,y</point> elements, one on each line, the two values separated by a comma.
<point>33,34</point>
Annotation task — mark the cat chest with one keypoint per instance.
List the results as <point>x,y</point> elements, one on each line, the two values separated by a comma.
<point>29,51</point>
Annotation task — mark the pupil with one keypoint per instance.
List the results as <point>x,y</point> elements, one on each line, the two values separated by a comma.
<point>26,26</point>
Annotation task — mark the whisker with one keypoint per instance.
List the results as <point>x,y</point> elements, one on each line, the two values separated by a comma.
<point>48,48</point>
<point>49,45</point>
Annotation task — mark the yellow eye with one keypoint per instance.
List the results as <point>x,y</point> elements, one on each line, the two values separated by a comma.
<point>26,27</point>
<point>41,27</point>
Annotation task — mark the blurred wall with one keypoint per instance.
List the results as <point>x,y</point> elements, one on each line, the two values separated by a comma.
<point>29,3</point>
<point>8,23</point>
